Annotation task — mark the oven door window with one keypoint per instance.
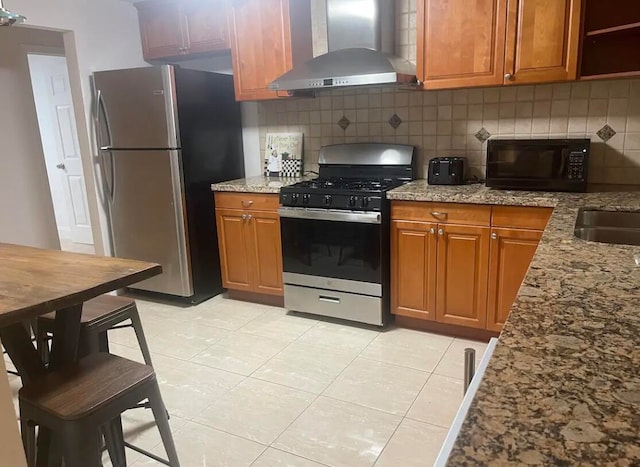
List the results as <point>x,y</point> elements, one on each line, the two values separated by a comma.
<point>528,162</point>
<point>342,250</point>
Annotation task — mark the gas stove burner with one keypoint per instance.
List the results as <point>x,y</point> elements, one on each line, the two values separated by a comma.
<point>347,184</point>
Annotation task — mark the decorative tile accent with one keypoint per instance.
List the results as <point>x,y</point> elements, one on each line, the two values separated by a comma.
<point>395,121</point>
<point>482,135</point>
<point>606,133</point>
<point>344,122</point>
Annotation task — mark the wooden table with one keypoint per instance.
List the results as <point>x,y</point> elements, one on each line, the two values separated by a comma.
<point>34,282</point>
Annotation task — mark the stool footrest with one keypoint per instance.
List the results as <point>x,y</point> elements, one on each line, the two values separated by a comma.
<point>147,453</point>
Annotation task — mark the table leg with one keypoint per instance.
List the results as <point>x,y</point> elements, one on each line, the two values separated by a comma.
<point>25,357</point>
<point>66,337</point>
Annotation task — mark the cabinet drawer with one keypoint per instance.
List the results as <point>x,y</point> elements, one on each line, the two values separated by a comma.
<point>253,201</point>
<point>518,217</point>
<point>442,213</point>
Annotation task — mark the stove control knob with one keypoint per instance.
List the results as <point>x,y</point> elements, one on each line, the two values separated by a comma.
<point>327,199</point>
<point>365,201</point>
<point>305,198</point>
<point>352,201</point>
<point>295,198</point>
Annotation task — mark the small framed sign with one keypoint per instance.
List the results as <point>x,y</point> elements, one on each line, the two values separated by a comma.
<point>283,155</point>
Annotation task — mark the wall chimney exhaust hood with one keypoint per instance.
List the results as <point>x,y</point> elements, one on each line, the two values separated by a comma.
<point>8,19</point>
<point>361,43</point>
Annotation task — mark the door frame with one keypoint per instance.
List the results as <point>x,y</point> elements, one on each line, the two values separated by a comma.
<point>88,156</point>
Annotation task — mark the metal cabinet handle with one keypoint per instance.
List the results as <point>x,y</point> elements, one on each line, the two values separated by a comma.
<point>440,232</point>
<point>61,166</point>
<point>509,76</point>
<point>439,214</point>
<point>246,204</point>
<point>494,236</point>
<point>249,216</point>
<point>244,217</point>
<point>432,231</point>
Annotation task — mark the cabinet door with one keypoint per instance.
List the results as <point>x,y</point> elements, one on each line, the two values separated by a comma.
<point>511,253</point>
<point>461,43</point>
<point>263,44</point>
<point>160,30</point>
<point>413,269</point>
<point>206,25</point>
<point>235,249</point>
<point>463,265</point>
<point>542,41</point>
<point>267,252</point>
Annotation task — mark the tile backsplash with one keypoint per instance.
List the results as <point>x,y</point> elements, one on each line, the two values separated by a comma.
<point>444,123</point>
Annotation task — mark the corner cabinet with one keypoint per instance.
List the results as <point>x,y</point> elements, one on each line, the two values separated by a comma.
<point>461,264</point>
<point>494,42</point>
<point>173,29</point>
<point>268,37</point>
<point>249,242</point>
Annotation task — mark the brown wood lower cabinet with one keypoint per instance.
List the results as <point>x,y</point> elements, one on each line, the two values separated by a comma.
<point>463,263</point>
<point>456,273</point>
<point>249,243</point>
<point>413,269</point>
<point>511,253</point>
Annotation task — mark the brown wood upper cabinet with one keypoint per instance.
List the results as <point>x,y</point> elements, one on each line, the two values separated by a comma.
<point>170,29</point>
<point>268,37</point>
<point>249,242</point>
<point>493,42</point>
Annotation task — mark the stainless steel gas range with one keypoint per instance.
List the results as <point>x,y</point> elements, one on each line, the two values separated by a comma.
<point>335,232</point>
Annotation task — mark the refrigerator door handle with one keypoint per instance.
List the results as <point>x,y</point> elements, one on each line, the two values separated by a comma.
<point>102,108</point>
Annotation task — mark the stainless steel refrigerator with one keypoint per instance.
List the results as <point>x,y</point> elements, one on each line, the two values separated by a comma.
<point>164,135</point>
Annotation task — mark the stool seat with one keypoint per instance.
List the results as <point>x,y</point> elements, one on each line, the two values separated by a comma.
<point>96,308</point>
<point>85,387</point>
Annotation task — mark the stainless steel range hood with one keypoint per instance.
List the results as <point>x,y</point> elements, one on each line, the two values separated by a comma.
<point>361,50</point>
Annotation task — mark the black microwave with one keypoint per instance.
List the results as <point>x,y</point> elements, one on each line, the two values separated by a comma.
<point>538,164</point>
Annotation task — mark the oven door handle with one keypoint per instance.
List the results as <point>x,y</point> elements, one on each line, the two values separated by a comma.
<point>331,215</point>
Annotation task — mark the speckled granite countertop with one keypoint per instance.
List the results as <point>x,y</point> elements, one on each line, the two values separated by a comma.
<point>563,386</point>
<point>259,184</point>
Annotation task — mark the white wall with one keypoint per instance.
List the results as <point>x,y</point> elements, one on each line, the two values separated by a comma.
<point>26,210</point>
<point>100,35</point>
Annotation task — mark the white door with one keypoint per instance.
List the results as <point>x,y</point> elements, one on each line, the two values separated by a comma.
<point>57,122</point>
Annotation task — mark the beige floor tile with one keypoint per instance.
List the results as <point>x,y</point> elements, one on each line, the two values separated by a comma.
<point>438,401</point>
<point>185,341</point>
<point>338,433</point>
<point>228,314</point>
<point>201,446</point>
<point>276,458</point>
<point>452,363</point>
<point>347,338</point>
<point>414,444</point>
<point>187,388</point>
<point>413,349</point>
<point>278,324</point>
<point>256,410</point>
<point>306,367</point>
<point>240,353</point>
<point>378,385</point>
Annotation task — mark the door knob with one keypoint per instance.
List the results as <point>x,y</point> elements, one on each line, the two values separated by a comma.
<point>60,166</point>
<point>244,217</point>
<point>509,77</point>
<point>440,232</point>
<point>432,231</point>
<point>494,236</point>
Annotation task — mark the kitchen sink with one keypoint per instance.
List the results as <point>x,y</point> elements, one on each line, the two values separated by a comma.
<point>621,227</point>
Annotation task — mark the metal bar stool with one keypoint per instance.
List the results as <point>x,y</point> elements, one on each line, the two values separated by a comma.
<point>76,402</point>
<point>99,315</point>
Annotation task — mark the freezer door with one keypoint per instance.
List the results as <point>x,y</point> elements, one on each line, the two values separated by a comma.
<point>136,108</point>
<point>147,214</point>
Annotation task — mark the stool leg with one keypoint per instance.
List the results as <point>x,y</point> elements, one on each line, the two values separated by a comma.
<point>142,342</point>
<point>28,431</point>
<point>160,415</point>
<point>82,447</point>
<point>114,438</point>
